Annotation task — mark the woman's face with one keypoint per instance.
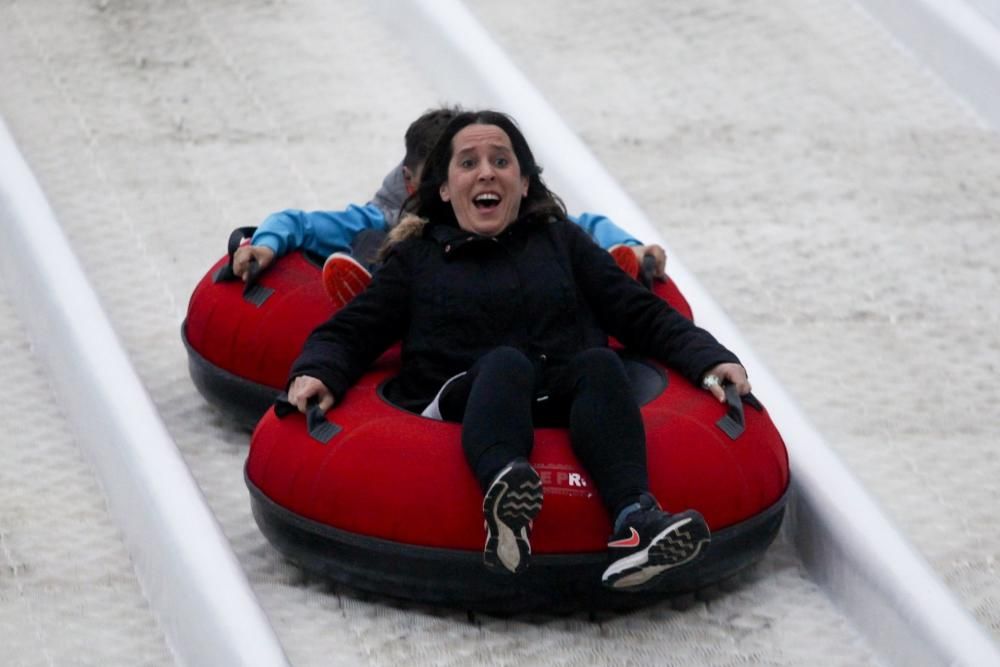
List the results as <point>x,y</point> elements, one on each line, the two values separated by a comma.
<point>484,185</point>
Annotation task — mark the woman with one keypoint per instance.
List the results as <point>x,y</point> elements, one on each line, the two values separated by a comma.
<point>504,308</point>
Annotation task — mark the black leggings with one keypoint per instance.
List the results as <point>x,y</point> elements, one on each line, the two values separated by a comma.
<point>500,401</point>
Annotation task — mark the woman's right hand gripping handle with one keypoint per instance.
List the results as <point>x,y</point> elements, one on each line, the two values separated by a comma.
<point>304,388</point>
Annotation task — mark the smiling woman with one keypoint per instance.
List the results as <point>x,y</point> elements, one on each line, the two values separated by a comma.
<point>484,185</point>
<point>504,308</point>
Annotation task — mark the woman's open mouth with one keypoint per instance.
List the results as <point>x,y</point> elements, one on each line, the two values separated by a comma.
<point>486,201</point>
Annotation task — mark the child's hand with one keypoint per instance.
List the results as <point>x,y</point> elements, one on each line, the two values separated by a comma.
<point>243,255</point>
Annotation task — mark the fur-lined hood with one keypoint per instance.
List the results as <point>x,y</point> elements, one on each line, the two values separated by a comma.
<point>409,226</point>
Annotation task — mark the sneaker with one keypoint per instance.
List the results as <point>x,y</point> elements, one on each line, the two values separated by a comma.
<point>344,278</point>
<point>512,501</point>
<point>625,258</point>
<point>652,542</point>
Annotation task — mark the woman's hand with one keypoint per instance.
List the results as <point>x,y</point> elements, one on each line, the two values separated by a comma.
<point>305,387</point>
<point>722,374</point>
<point>243,255</point>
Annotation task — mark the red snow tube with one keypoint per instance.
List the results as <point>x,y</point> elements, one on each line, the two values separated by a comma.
<point>382,500</point>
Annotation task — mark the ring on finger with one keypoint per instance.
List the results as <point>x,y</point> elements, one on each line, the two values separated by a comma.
<point>711,381</point>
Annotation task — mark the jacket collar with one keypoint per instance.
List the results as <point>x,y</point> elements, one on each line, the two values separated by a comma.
<point>452,238</point>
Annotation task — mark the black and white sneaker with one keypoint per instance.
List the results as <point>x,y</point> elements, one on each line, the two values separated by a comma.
<point>652,542</point>
<point>512,501</point>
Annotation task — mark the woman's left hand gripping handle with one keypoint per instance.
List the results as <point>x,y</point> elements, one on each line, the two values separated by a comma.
<point>305,388</point>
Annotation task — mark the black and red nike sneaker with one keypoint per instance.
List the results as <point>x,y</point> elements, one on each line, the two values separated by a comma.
<point>650,542</point>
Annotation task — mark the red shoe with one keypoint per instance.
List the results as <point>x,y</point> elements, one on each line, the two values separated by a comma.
<point>626,259</point>
<point>344,278</point>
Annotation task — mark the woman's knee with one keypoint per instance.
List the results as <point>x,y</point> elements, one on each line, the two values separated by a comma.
<point>601,362</point>
<point>509,362</point>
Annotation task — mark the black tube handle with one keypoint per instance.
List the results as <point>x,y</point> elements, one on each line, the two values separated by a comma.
<point>647,271</point>
<point>253,274</point>
<point>319,427</point>
<point>733,423</point>
<point>236,237</point>
<point>252,291</point>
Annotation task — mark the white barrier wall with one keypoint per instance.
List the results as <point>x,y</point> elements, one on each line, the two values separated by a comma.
<point>988,8</point>
<point>910,617</point>
<point>185,565</point>
<point>957,40</point>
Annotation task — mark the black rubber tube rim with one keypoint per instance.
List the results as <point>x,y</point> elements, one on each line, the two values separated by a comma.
<point>238,399</point>
<point>457,578</point>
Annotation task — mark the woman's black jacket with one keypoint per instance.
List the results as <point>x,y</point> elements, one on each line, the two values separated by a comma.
<point>543,287</point>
